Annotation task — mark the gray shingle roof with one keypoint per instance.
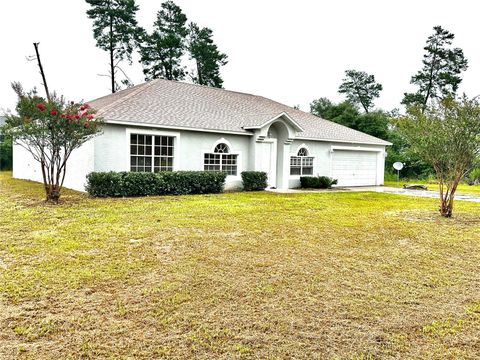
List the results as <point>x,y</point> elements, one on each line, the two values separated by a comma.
<point>176,104</point>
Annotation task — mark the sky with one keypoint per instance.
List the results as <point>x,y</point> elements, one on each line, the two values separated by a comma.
<point>289,51</point>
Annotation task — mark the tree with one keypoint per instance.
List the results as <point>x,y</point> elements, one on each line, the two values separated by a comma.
<point>5,151</point>
<point>446,135</point>
<point>116,31</point>
<point>344,113</point>
<point>161,51</point>
<point>360,88</point>
<point>206,56</point>
<point>374,123</point>
<point>50,131</point>
<point>440,76</point>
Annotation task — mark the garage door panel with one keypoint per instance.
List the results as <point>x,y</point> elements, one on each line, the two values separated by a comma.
<point>353,168</point>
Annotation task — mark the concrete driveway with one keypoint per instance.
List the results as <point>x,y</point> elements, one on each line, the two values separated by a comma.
<point>388,190</point>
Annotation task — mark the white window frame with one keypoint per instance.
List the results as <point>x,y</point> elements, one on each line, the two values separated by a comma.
<point>176,145</point>
<point>237,153</point>
<point>295,155</point>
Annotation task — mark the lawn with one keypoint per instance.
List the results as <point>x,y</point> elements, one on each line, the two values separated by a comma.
<point>462,188</point>
<point>237,275</point>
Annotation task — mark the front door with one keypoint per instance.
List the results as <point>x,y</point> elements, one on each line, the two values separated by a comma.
<point>268,160</point>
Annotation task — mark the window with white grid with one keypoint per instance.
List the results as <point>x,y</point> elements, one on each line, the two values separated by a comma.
<point>302,164</point>
<point>151,153</point>
<point>221,160</point>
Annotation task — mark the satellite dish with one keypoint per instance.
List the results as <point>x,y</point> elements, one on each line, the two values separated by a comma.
<point>398,166</point>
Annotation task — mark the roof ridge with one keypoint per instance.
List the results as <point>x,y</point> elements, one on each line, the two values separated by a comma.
<point>124,98</point>
<point>209,87</point>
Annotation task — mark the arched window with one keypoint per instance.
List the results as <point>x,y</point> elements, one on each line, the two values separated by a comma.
<point>221,160</point>
<point>302,152</point>
<point>302,164</point>
<point>221,148</point>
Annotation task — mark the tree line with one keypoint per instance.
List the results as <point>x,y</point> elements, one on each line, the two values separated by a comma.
<point>162,50</point>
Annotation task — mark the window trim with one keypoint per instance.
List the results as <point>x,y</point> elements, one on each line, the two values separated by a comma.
<point>176,145</point>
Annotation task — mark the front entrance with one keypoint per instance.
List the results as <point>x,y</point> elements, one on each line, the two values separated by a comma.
<point>268,160</point>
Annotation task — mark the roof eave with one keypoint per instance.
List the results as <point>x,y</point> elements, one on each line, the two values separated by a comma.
<point>173,127</point>
<point>381,143</point>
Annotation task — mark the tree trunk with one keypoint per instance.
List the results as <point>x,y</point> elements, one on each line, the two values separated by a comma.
<point>53,193</point>
<point>112,65</point>
<point>446,209</point>
<point>41,71</point>
<point>199,73</point>
<point>446,203</point>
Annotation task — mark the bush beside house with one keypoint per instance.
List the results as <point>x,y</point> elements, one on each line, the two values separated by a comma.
<point>126,184</point>
<point>5,148</point>
<point>317,182</point>
<point>254,180</point>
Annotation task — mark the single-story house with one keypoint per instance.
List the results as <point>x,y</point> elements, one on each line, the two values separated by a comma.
<point>166,125</point>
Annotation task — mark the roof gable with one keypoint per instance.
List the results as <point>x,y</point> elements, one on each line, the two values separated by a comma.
<point>283,115</point>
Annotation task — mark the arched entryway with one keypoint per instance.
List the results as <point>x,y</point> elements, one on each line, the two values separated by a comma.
<point>277,136</point>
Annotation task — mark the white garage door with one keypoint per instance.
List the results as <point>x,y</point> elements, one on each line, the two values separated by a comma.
<point>354,168</point>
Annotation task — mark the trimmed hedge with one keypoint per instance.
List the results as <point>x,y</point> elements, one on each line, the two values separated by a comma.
<point>317,182</point>
<point>254,180</point>
<point>126,184</point>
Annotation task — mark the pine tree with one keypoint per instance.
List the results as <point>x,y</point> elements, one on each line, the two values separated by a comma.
<point>116,31</point>
<point>208,59</point>
<point>440,76</point>
<point>360,88</point>
<point>162,50</point>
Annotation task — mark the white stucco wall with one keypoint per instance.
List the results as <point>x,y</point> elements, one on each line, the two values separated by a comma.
<point>110,149</point>
<point>79,165</point>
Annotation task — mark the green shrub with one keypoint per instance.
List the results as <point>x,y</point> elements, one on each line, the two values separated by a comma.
<point>193,182</point>
<point>254,180</point>
<point>118,184</point>
<point>473,177</point>
<point>104,184</point>
<point>317,182</point>
<point>5,152</point>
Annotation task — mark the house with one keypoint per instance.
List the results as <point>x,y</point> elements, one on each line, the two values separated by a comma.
<point>166,125</point>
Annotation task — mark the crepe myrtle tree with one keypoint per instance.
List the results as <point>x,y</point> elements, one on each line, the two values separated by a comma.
<point>446,134</point>
<point>50,131</point>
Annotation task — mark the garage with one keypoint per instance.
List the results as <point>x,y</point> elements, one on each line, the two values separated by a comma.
<point>354,168</point>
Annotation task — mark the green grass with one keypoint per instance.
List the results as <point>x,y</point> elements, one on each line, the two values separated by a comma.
<point>237,275</point>
<point>462,188</point>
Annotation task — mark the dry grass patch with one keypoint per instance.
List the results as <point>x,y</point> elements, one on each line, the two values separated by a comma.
<point>237,275</point>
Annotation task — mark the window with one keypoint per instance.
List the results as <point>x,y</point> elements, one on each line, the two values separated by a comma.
<point>221,160</point>
<point>302,164</point>
<point>151,153</point>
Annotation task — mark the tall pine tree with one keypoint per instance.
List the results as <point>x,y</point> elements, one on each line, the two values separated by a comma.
<point>116,31</point>
<point>440,75</point>
<point>162,50</point>
<point>208,59</point>
<point>360,88</point>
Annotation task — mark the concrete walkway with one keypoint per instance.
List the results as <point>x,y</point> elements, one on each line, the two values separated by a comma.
<point>385,189</point>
